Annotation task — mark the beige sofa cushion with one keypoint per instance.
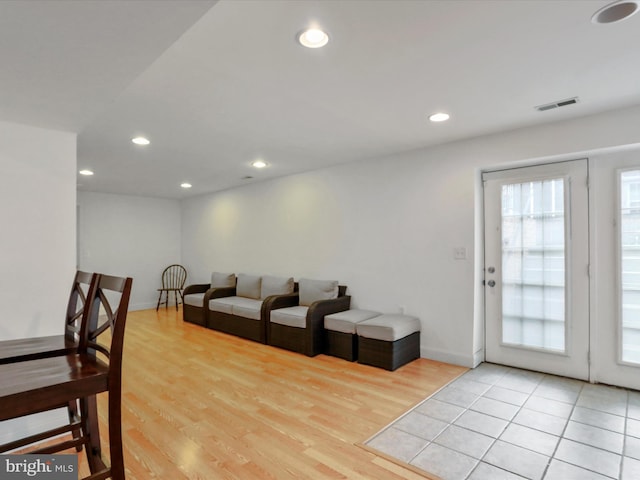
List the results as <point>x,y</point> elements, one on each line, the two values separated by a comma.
<point>246,307</point>
<point>314,290</point>
<point>291,316</point>
<point>275,286</point>
<point>248,286</point>
<point>388,327</point>
<point>222,280</point>
<point>240,306</point>
<point>224,305</point>
<point>194,299</point>
<point>345,322</point>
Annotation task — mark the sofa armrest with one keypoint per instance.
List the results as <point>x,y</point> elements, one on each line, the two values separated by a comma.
<point>273,303</point>
<point>218,293</point>
<point>278,301</point>
<point>196,288</point>
<point>318,310</point>
<point>315,321</point>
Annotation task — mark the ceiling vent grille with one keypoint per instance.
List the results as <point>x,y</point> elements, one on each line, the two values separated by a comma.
<point>560,103</point>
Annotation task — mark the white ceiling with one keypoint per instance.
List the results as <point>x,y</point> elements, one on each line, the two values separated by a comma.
<point>216,85</point>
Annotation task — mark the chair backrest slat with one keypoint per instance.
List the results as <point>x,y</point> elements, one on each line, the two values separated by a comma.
<point>107,318</point>
<point>174,276</point>
<point>77,305</point>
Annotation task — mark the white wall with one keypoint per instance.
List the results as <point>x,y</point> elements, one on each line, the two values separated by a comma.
<point>386,228</point>
<point>37,264</point>
<point>37,212</point>
<point>129,236</point>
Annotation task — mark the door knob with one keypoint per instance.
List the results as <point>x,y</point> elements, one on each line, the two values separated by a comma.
<point>491,269</point>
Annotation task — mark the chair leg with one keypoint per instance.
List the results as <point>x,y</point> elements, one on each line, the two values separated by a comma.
<point>72,410</point>
<point>159,298</point>
<point>115,434</point>
<point>175,297</point>
<point>93,449</point>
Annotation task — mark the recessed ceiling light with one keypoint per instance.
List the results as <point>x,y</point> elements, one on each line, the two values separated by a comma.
<point>259,164</point>
<point>313,38</point>
<point>439,117</point>
<point>85,172</point>
<point>615,11</point>
<point>186,185</point>
<point>140,141</point>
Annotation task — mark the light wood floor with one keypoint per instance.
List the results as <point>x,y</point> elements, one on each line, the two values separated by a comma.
<point>202,404</point>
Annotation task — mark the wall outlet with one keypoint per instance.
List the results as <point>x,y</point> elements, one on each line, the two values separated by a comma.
<point>460,253</point>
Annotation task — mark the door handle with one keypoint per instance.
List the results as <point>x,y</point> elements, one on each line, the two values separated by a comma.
<point>491,283</point>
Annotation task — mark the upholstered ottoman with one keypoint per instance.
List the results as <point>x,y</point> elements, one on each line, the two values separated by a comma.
<point>388,341</point>
<point>340,331</point>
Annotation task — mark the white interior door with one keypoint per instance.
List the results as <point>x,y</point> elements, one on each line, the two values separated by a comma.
<point>536,268</point>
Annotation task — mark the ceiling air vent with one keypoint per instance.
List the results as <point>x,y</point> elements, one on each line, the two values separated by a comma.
<point>561,103</point>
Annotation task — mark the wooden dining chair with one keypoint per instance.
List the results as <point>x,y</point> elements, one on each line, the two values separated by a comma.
<point>23,349</point>
<point>173,279</point>
<point>44,384</point>
<point>39,347</point>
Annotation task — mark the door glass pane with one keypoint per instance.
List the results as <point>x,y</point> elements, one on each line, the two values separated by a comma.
<point>533,264</point>
<point>630,252</point>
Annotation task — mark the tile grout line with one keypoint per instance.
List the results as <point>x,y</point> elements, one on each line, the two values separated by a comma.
<point>621,455</point>
<point>624,437</point>
<point>561,437</point>
<point>519,408</point>
<point>496,438</point>
<point>449,424</point>
<point>510,422</point>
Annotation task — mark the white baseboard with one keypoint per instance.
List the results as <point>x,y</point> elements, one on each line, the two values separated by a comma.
<point>145,306</point>
<point>446,356</point>
<point>478,357</point>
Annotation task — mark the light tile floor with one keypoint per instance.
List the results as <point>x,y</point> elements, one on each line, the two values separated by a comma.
<point>496,422</point>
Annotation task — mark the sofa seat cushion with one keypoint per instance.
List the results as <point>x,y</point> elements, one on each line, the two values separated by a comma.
<point>345,322</point>
<point>246,307</point>
<point>291,316</point>
<point>194,299</point>
<point>388,328</point>
<point>224,305</point>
